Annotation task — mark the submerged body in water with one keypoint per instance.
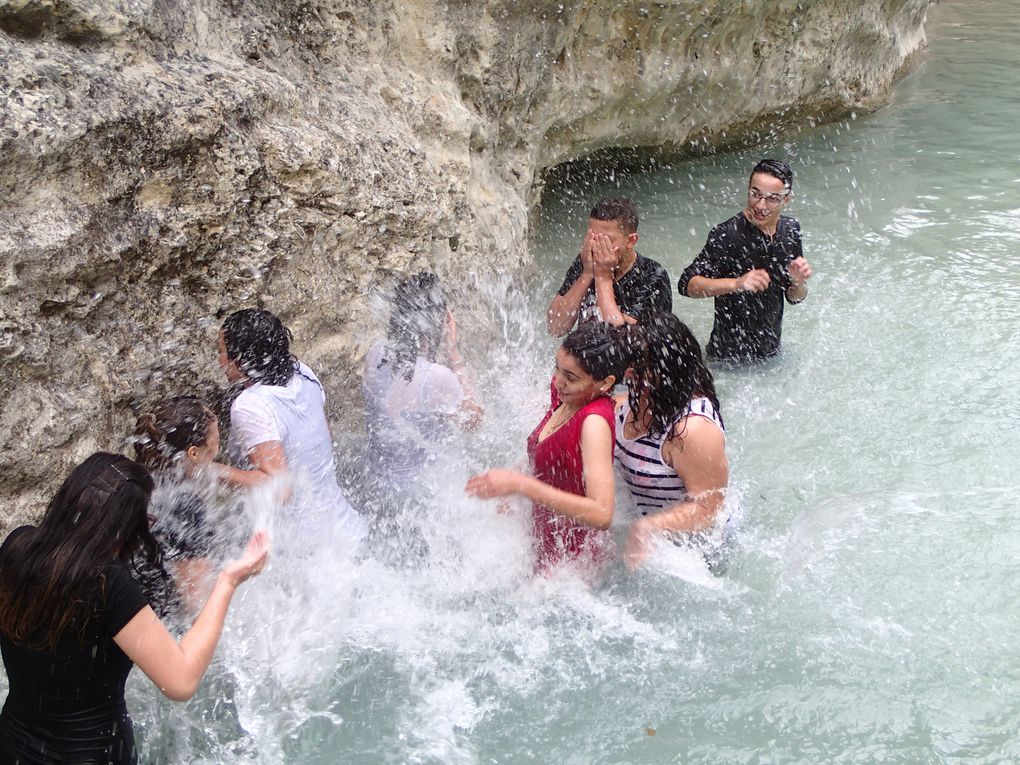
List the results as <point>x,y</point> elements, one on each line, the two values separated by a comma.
<point>415,386</point>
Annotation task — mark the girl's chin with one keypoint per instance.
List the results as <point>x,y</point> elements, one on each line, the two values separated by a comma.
<point>577,401</point>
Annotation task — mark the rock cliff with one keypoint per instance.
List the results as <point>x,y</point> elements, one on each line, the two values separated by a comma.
<point>166,161</point>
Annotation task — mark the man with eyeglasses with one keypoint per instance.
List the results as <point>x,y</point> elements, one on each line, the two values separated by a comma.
<point>751,264</point>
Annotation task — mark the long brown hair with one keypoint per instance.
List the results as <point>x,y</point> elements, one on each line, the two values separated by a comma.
<point>169,428</point>
<point>667,364</point>
<point>50,574</point>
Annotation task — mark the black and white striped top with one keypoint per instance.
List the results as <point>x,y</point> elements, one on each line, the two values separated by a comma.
<point>653,484</point>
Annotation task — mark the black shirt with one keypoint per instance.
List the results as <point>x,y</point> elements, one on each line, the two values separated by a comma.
<point>642,290</point>
<point>68,706</point>
<point>748,325</point>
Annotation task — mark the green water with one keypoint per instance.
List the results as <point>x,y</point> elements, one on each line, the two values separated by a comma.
<point>878,457</point>
<point>869,612</point>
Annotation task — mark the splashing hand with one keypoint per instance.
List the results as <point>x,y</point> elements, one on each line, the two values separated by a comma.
<point>251,562</point>
<point>800,271</point>
<point>494,483</point>
<point>755,280</point>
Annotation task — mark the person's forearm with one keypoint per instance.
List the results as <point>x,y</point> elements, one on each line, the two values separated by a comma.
<point>704,287</point>
<point>242,479</point>
<point>470,412</point>
<point>199,644</point>
<point>460,370</point>
<point>194,580</point>
<point>689,517</point>
<point>564,308</point>
<point>606,301</point>
<point>578,507</point>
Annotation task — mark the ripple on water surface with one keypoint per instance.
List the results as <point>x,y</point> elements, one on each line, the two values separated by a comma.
<point>866,615</point>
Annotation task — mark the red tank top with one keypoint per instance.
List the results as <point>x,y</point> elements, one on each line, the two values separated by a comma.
<point>557,461</point>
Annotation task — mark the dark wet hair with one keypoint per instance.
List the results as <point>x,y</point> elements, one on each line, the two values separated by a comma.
<point>417,322</point>
<point>597,349</point>
<point>618,209</point>
<point>259,344</point>
<point>777,169</point>
<point>51,573</point>
<point>668,364</point>
<point>169,428</point>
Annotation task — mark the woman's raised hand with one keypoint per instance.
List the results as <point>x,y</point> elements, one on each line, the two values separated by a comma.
<point>251,562</point>
<point>451,331</point>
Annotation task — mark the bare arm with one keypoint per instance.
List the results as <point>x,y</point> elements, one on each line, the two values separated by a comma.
<point>755,280</point>
<point>193,577</point>
<point>708,276</point>
<point>267,460</point>
<point>594,508</point>
<point>609,309</point>
<point>700,460</point>
<point>177,669</point>
<point>469,413</point>
<point>563,310</point>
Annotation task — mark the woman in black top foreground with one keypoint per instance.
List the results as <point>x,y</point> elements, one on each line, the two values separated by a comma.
<point>72,620</point>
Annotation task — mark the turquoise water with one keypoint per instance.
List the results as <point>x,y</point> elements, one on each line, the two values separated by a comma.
<point>868,614</point>
<point>878,456</point>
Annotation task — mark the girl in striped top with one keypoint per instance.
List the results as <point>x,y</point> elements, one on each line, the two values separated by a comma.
<point>670,442</point>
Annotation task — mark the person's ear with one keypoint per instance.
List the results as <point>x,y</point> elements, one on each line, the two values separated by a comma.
<point>632,239</point>
<point>607,383</point>
<point>192,453</point>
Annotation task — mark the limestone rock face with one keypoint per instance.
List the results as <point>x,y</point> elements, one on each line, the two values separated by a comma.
<point>167,161</point>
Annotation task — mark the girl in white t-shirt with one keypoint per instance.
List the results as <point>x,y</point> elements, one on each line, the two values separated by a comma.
<point>278,425</point>
<point>415,386</point>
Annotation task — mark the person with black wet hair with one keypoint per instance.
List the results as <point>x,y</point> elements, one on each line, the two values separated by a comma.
<point>572,486</point>
<point>671,442</point>
<point>609,281</point>
<point>752,264</point>
<point>415,384</point>
<point>278,428</point>
<point>177,439</point>
<point>73,621</point>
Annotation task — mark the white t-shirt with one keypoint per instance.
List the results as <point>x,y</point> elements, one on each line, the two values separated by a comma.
<point>294,414</point>
<point>406,418</point>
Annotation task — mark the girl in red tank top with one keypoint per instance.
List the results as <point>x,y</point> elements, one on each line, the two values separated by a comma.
<point>571,452</point>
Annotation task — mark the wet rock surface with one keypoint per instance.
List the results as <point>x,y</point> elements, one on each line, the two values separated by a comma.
<point>166,162</point>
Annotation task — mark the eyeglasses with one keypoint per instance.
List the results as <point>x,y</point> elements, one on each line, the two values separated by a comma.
<point>770,199</point>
